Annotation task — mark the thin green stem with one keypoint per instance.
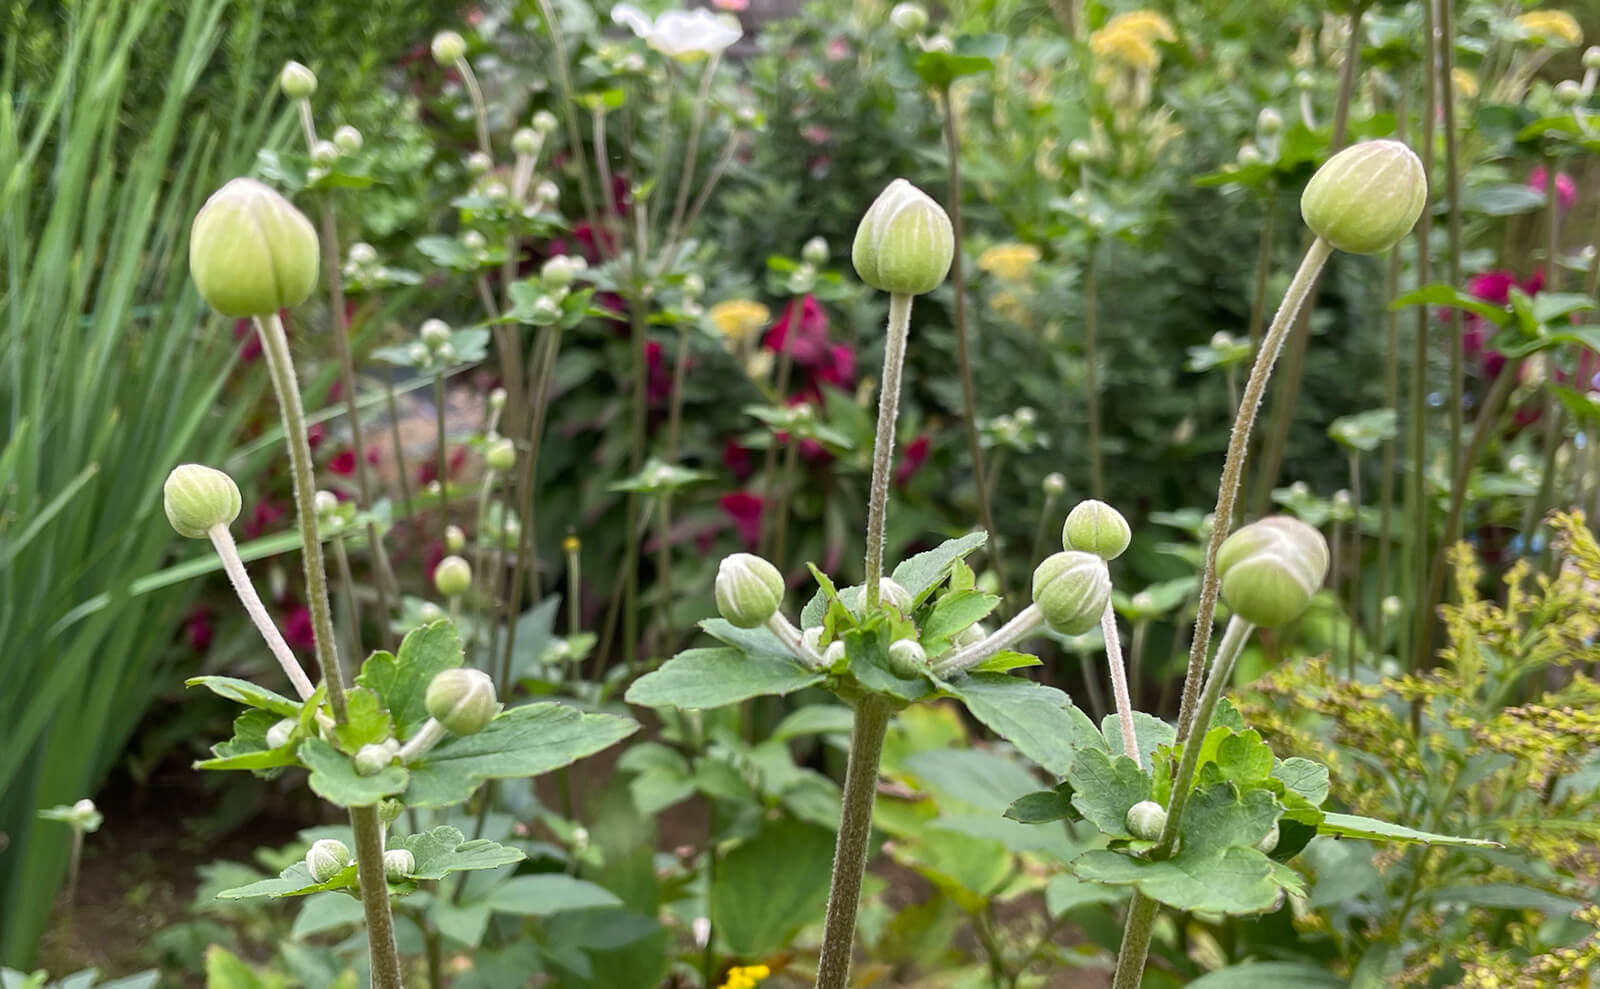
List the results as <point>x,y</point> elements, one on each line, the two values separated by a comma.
<point>680,368</point>
<point>1355,557</point>
<point>233,566</point>
<point>1135,950</point>
<point>569,104</point>
<point>480,111</point>
<point>1043,532</point>
<point>691,150</point>
<point>1233,466</point>
<point>1452,192</point>
<point>894,357</point>
<point>1119,683</point>
<point>400,467</point>
<point>1391,400</point>
<point>347,596</point>
<point>527,560</point>
<point>791,458</point>
<point>855,835</point>
<point>1091,370</point>
<point>664,578</point>
<point>441,453</point>
<point>1258,303</point>
<point>1417,439</point>
<point>1007,635</point>
<point>574,586</point>
<point>769,461</point>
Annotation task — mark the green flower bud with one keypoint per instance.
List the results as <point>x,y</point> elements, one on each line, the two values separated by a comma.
<point>478,163</point>
<point>419,355</point>
<point>435,333</point>
<point>463,700</point>
<point>1271,569</point>
<point>430,612</point>
<point>1269,122</point>
<point>326,859</point>
<point>1591,58</point>
<point>1304,80</point>
<point>694,286</point>
<point>815,251</point>
<point>454,539</point>
<point>363,253</point>
<point>281,732</point>
<point>1080,152</point>
<point>890,592</point>
<point>1249,154</point>
<point>297,81</point>
<point>452,577</point>
<point>812,638</point>
<point>907,659</point>
<point>904,244</point>
<point>1567,93</point>
<point>1146,819</point>
<point>1071,589</point>
<point>834,656</point>
<point>1269,841</point>
<point>1391,607</point>
<point>525,142</point>
<point>446,352</point>
<point>1095,527</point>
<point>497,399</point>
<point>1367,197</point>
<point>324,153</point>
<point>197,497</point>
<point>251,252</point>
<point>448,48</point>
<point>347,139</point>
<point>325,503</point>
<point>500,454</point>
<point>373,759</point>
<point>748,590</point>
<point>544,122</point>
<point>971,635</point>
<point>1055,484</point>
<point>909,18</point>
<point>398,864</point>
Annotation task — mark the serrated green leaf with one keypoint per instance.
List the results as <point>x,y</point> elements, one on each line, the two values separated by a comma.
<point>771,886</point>
<point>1234,881</point>
<point>1040,721</point>
<point>1244,759</point>
<point>716,677</point>
<point>294,881</point>
<point>1151,732</point>
<point>1352,826</point>
<point>1006,661</point>
<point>1104,787</point>
<point>548,893</point>
<point>1308,779</point>
<point>1042,807</point>
<point>445,850</point>
<point>334,777</point>
<point>523,741</point>
<point>921,573</point>
<point>248,748</point>
<point>247,693</point>
<point>366,722</point>
<point>956,612</point>
<point>401,682</point>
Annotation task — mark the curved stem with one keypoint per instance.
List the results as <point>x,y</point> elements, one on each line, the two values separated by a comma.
<point>1119,683</point>
<point>1006,636</point>
<point>894,358</point>
<point>480,112</point>
<point>233,566</point>
<point>792,639</point>
<point>429,735</point>
<point>1233,467</point>
<point>855,834</point>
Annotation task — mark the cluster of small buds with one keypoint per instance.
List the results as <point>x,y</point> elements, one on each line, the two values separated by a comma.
<point>1017,431</point>
<point>433,344</point>
<point>910,19</point>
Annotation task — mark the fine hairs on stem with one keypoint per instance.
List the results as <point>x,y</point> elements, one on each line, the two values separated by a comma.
<point>894,356</point>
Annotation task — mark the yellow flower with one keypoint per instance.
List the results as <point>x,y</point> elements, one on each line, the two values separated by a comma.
<point>746,977</point>
<point>1129,49</point>
<point>1465,83</point>
<point>1551,27</point>
<point>739,319</point>
<point>1010,262</point>
<point>1147,24</point>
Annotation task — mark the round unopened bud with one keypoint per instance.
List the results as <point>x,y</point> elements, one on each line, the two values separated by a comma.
<point>500,454</point>
<point>693,286</point>
<point>904,244</point>
<point>1080,152</point>
<point>497,399</point>
<point>748,590</point>
<point>1391,606</point>
<point>909,18</point>
<point>430,612</point>
<point>463,700</point>
<point>834,656</point>
<point>84,809</point>
<point>419,355</point>
<point>452,577</point>
<point>525,142</point>
<point>373,759</point>
<point>297,81</point>
<point>398,864</point>
<point>1071,588</point>
<point>544,122</point>
<point>558,272</point>
<point>1269,122</point>
<point>1567,92</point>
<point>1271,569</point>
<point>363,253</point>
<point>546,310</point>
<point>324,153</point>
<point>548,192</point>
<point>1304,80</point>
<point>907,659</point>
<point>1269,841</point>
<point>1095,527</point>
<point>280,733</point>
<point>815,251</point>
<point>327,858</point>
<point>1146,819</point>
<point>454,538</point>
<point>479,162</point>
<point>197,497</point>
<point>325,503</point>
<point>434,332</point>
<point>1366,197</point>
<point>347,139</point>
<point>1249,154</point>
<point>890,592</point>
<point>448,47</point>
<point>445,352</point>
<point>812,638</point>
<point>251,252</point>
<point>1054,484</point>
<point>1591,58</point>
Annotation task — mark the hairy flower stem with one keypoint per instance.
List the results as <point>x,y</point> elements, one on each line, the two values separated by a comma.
<point>347,595</point>
<point>664,578</point>
<point>542,373</point>
<point>364,821</point>
<point>969,391</point>
<point>1233,468</point>
<point>569,106</point>
<point>855,833</point>
<point>480,111</point>
<point>769,461</point>
<point>894,358</point>
<point>233,566</point>
<point>1119,683</point>
<point>1142,911</point>
<point>1006,636</point>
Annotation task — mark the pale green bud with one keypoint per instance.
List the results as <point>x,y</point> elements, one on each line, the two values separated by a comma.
<point>1269,122</point>
<point>1304,80</point>
<point>890,592</point>
<point>1391,606</point>
<point>479,162</point>
<point>909,18</point>
<point>325,503</point>
<point>694,286</point>
<point>1146,819</point>
<point>373,759</point>
<point>251,252</point>
<point>834,656</point>
<point>497,399</point>
<point>297,81</point>
<point>544,122</point>
<point>904,244</point>
<point>1366,198</point>
<point>1567,93</point>
<point>1249,154</point>
<point>463,700</point>
<point>327,858</point>
<point>558,272</point>
<point>452,577</point>
<point>748,590</point>
<point>454,538</point>
<point>1591,58</point>
<point>197,497</point>
<point>546,310</point>
<point>1269,841</point>
<point>324,153</point>
<point>549,193</point>
<point>1055,484</point>
<point>363,253</point>
<point>525,142</point>
<point>281,732</point>
<point>1271,569</point>
<point>434,333</point>
<point>907,658</point>
<point>500,454</point>
<point>815,251</point>
<point>347,139</point>
<point>448,48</point>
<point>1071,588</point>
<point>398,864</point>
<point>1080,152</point>
<point>1095,527</point>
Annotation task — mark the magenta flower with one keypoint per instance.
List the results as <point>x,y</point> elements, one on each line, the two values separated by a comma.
<point>297,629</point>
<point>911,460</point>
<point>744,509</point>
<point>1566,189</point>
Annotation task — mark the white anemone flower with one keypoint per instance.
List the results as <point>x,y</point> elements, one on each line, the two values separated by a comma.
<point>683,35</point>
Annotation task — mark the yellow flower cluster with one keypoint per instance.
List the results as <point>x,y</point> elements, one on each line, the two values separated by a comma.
<point>1464,83</point>
<point>746,977</point>
<point>1130,40</point>
<point>1010,262</point>
<point>1551,27</point>
<point>739,319</point>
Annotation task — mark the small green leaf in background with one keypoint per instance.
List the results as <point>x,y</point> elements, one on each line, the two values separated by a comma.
<point>225,970</point>
<point>716,677</point>
<point>546,894</point>
<point>970,54</point>
<point>248,748</point>
<point>247,693</point>
<point>1307,778</point>
<point>922,573</point>
<point>1042,807</point>
<point>401,682</point>
<point>771,886</point>
<point>1352,826</point>
<point>1269,975</point>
